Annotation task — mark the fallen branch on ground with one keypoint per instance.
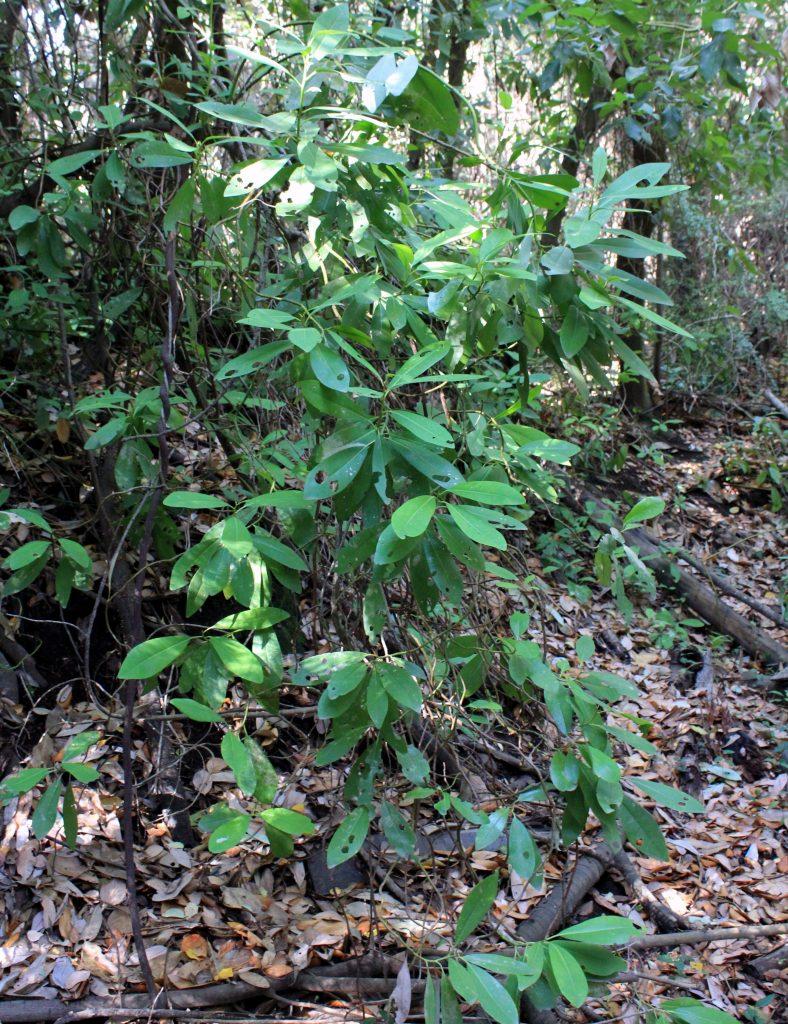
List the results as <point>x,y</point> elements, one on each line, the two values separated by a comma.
<point>778,403</point>
<point>318,979</point>
<point>777,960</point>
<point>663,917</point>
<point>699,935</point>
<point>698,596</point>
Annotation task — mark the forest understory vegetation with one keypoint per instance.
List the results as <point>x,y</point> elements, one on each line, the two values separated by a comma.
<point>392,488</point>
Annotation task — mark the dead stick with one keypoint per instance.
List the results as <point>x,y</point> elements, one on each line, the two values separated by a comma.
<point>778,403</point>
<point>720,583</point>
<point>699,935</point>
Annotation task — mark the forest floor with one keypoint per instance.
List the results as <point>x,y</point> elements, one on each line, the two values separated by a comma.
<point>242,917</point>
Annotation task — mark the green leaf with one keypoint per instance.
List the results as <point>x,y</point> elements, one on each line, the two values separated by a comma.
<point>194,710</point>
<point>345,680</point>
<point>642,831</point>
<point>488,492</point>
<point>475,525</point>
<point>414,367</point>
<point>329,29</point>
<point>693,1011</point>
<point>579,231</point>
<point>26,554</point>
<point>80,771</point>
<point>151,657</point>
<point>252,618</point>
<point>45,813</point>
<point>77,553</point>
<point>349,837</point>
<point>292,823</point>
<point>584,645</point>
<point>400,685</point>
<point>432,1005</point>
<point>449,1007</point>
<point>424,429</point>
<point>428,105</point>
<point>413,518</point>
<point>493,997</point>
<point>523,853</point>
<point>463,982</point>
<point>229,833</point>
<point>193,500</point>
<point>655,318</point>
<point>568,974</point>
<point>604,930</point>
<point>274,550</point>
<point>237,659</point>
<point>476,907</point>
<point>397,830</point>
<point>646,508</point>
<point>375,611</point>
<point>596,960</point>
<point>235,537</point>
<point>305,338</point>
<point>432,466</point>
<point>329,368</point>
<point>415,766</point>
<point>558,260</point>
<point>70,818</point>
<point>252,361</point>
<point>24,780</point>
<point>74,162</point>
<point>667,796</point>
<point>564,771</point>
<point>269,319</point>
<point>266,777</point>
<point>598,165</point>
<point>254,176</point>
<point>239,760</point>
<point>574,332</point>
<point>21,216</point>
<point>499,964</point>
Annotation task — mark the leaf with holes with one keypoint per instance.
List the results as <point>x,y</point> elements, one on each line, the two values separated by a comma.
<point>329,368</point>
<point>349,837</point>
<point>667,796</point>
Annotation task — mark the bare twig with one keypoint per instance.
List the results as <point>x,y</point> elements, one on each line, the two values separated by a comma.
<point>700,935</point>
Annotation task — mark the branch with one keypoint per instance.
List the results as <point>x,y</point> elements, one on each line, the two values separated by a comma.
<point>699,935</point>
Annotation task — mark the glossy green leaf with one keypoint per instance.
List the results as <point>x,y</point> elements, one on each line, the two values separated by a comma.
<point>646,508</point>
<point>237,659</point>
<point>604,930</point>
<point>151,657</point>
<point>569,976</point>
<point>194,710</point>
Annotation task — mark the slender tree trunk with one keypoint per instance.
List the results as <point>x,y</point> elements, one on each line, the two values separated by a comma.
<point>9,108</point>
